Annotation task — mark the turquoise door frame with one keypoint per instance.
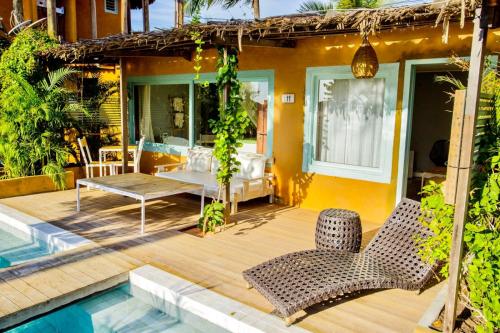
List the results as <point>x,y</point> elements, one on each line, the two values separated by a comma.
<point>407,118</point>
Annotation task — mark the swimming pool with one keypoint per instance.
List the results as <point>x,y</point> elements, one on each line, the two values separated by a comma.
<point>118,310</point>
<point>156,301</point>
<point>24,238</point>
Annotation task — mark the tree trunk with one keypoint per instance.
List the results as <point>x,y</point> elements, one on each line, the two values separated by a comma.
<point>256,9</point>
<point>145,15</point>
<point>18,12</point>
<point>51,18</point>
<point>179,13</point>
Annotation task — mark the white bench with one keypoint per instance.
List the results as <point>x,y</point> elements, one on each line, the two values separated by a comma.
<point>201,168</point>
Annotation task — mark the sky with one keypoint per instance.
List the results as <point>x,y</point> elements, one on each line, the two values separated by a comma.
<point>161,12</point>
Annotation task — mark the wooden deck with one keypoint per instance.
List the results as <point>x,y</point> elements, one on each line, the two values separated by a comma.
<point>216,262</point>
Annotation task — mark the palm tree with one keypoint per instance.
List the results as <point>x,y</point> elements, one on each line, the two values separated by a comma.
<point>194,5</point>
<point>33,119</point>
<point>323,6</point>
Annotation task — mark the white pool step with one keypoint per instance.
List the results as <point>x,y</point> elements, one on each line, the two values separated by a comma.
<point>132,315</point>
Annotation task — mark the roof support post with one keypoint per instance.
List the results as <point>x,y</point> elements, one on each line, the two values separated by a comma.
<point>51,18</point>
<point>466,161</point>
<point>124,115</point>
<point>93,19</point>
<point>179,13</point>
<point>145,15</point>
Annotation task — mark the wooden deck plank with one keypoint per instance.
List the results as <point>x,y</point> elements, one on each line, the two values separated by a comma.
<point>263,231</point>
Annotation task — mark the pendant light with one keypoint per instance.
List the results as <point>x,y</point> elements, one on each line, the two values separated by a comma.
<point>365,63</point>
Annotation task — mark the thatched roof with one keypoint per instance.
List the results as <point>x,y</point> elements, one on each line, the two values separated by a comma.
<point>280,31</point>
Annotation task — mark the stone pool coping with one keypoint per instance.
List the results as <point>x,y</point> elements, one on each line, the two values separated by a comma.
<point>56,237</point>
<point>209,305</point>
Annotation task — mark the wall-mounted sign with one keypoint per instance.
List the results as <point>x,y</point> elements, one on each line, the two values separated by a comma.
<point>288,98</point>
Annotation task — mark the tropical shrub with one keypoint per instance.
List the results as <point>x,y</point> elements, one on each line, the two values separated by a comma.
<point>34,110</point>
<point>481,261</point>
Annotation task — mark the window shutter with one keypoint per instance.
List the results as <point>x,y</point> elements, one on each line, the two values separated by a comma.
<point>111,6</point>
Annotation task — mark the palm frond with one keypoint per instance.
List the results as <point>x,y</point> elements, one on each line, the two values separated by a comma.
<point>317,6</point>
<point>57,77</point>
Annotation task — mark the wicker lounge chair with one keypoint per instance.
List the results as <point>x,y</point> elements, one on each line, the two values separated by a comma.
<point>298,280</point>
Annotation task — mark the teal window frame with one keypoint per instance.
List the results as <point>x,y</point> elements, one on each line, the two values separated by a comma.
<point>244,76</point>
<point>381,174</point>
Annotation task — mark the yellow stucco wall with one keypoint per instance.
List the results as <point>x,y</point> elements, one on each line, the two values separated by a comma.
<point>373,201</point>
<point>107,23</point>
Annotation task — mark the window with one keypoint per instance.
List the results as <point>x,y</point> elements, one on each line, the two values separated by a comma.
<point>351,123</point>
<point>175,113</point>
<point>111,6</point>
<point>163,114</point>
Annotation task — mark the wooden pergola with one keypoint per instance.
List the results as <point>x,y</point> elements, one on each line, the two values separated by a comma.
<point>284,32</point>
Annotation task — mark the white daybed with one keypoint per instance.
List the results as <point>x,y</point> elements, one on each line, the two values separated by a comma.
<point>201,168</point>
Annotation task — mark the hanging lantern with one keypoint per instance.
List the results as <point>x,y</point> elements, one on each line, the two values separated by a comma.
<point>365,63</point>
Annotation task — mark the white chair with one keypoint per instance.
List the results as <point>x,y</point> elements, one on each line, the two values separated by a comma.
<point>135,163</point>
<point>89,163</point>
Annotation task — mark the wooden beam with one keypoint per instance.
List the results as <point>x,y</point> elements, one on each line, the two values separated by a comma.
<point>179,13</point>
<point>245,41</point>
<point>124,115</point>
<point>479,36</point>
<point>145,15</point>
<point>93,19</point>
<point>124,16</point>
<point>457,122</point>
<point>51,18</point>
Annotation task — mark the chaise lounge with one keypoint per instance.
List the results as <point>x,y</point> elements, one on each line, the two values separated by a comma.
<point>298,280</point>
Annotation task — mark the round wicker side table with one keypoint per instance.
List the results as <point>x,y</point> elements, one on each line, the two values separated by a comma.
<point>338,229</point>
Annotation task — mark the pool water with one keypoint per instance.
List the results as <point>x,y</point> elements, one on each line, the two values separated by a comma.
<point>118,311</point>
<point>17,246</point>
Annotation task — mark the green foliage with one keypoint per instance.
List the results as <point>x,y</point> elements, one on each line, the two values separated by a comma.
<point>22,56</point>
<point>197,37</point>
<point>438,217</point>
<point>194,6</point>
<point>481,262</point>
<point>324,6</point>
<point>229,128</point>
<point>34,110</point>
<point>213,216</point>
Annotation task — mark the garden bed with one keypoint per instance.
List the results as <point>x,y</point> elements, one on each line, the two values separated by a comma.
<point>31,185</point>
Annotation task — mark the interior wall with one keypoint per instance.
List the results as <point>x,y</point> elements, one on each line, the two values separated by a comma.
<point>432,114</point>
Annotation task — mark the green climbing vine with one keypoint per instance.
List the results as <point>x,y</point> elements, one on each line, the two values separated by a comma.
<point>229,130</point>
<point>196,37</point>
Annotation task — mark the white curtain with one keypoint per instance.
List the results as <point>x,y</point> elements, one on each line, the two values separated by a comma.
<point>350,119</point>
<point>146,124</point>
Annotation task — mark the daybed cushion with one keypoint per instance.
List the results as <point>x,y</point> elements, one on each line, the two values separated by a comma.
<point>252,166</point>
<point>199,160</point>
